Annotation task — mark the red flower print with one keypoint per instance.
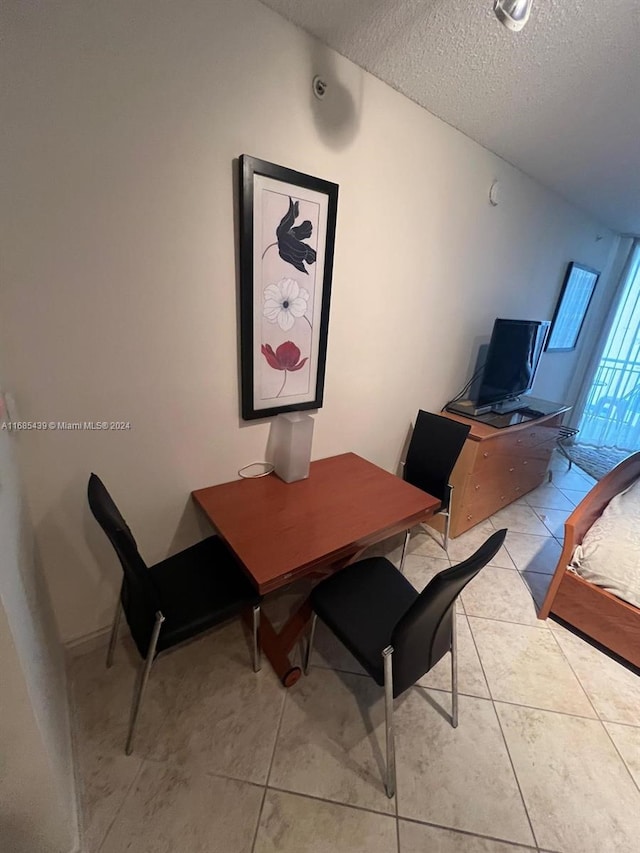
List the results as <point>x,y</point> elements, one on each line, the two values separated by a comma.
<point>286,356</point>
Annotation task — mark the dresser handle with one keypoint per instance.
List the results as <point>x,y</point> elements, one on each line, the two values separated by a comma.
<point>511,469</point>
<point>502,497</point>
<point>469,517</point>
<point>519,441</point>
<point>525,462</point>
<point>485,454</point>
<point>518,489</point>
<point>477,487</point>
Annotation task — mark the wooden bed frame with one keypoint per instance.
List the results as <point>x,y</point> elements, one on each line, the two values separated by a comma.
<point>593,611</point>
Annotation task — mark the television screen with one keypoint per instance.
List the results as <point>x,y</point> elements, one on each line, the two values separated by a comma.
<point>512,359</point>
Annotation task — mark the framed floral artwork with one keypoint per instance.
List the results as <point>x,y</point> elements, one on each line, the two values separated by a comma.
<point>571,308</point>
<point>287,233</point>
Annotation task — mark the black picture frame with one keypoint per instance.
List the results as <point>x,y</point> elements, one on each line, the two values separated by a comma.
<point>571,308</point>
<point>287,237</point>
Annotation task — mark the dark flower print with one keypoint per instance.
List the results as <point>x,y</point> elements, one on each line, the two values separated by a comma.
<point>290,237</point>
<point>286,356</point>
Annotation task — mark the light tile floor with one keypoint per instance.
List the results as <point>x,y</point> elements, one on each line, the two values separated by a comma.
<point>546,756</point>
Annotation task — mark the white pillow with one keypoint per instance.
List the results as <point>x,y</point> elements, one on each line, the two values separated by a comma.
<point>610,552</point>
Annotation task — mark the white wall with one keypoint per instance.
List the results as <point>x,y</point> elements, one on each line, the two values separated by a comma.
<point>119,299</point>
<point>37,792</point>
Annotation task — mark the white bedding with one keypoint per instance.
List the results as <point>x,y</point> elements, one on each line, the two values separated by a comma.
<point>609,555</point>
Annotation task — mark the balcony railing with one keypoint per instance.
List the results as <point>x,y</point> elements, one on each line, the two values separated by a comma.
<point>612,413</point>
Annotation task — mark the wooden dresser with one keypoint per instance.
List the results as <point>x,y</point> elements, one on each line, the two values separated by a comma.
<point>498,466</point>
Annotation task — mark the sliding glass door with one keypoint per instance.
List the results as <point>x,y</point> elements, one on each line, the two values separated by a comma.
<point>611,416</point>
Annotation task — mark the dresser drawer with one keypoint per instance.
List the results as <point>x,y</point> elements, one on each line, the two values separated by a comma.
<point>501,454</point>
<point>492,456</point>
<point>482,505</point>
<point>496,467</point>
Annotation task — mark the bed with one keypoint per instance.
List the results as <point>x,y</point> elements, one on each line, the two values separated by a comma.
<point>592,610</point>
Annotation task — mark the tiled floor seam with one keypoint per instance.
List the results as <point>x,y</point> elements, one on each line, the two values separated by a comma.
<point>398,817</point>
<point>599,716</point>
<point>577,677</point>
<point>510,621</point>
<point>515,775</point>
<point>542,509</point>
<point>229,778</point>
<point>619,723</point>
<point>635,781</point>
<point>396,798</point>
<point>475,645</point>
<point>75,757</point>
<point>468,833</point>
<point>266,784</point>
<point>506,745</point>
<point>319,799</point>
<point>75,737</point>
<point>533,601</point>
<point>547,710</point>
<point>365,675</point>
<point>121,806</point>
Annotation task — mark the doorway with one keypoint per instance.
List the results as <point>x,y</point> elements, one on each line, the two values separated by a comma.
<point>611,416</point>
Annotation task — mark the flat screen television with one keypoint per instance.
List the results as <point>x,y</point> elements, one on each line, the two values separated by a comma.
<point>512,359</point>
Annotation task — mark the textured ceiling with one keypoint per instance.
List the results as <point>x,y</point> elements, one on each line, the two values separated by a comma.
<point>560,100</point>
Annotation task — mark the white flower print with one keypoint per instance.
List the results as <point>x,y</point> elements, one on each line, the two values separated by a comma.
<point>285,301</point>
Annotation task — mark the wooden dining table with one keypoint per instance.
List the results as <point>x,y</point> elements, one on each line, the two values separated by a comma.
<point>280,532</point>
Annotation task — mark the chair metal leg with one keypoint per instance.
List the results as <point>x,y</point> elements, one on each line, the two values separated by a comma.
<point>312,633</point>
<point>257,663</point>
<point>447,515</point>
<point>407,536</point>
<point>390,781</point>
<point>454,669</point>
<point>113,639</point>
<point>142,681</point>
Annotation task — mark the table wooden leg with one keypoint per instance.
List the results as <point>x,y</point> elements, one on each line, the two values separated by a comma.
<point>276,645</point>
<point>277,653</point>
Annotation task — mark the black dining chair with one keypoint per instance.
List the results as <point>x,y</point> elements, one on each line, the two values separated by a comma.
<point>396,633</point>
<point>433,451</point>
<point>174,600</point>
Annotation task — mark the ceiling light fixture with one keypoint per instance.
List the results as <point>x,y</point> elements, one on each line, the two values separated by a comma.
<point>514,14</point>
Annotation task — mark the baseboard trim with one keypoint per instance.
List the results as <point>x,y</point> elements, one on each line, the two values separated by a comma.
<point>87,643</point>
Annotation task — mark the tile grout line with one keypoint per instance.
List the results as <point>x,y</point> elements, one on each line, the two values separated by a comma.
<point>75,748</point>
<point>470,834</point>
<point>515,775</point>
<point>215,774</point>
<point>548,710</point>
<point>75,753</point>
<point>329,802</point>
<point>536,707</point>
<point>575,674</point>
<point>539,509</point>
<point>510,621</point>
<point>618,723</point>
<point>266,783</point>
<point>406,819</point>
<point>598,715</point>
<point>621,756</point>
<point>533,601</point>
<point>506,745</point>
<point>420,686</point>
<point>121,806</point>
